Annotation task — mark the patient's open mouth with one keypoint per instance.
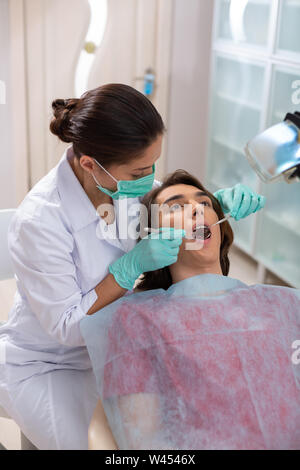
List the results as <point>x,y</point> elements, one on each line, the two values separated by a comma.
<point>202,232</point>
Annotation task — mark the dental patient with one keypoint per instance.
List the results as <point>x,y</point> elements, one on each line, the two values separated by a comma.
<point>182,198</point>
<point>195,359</point>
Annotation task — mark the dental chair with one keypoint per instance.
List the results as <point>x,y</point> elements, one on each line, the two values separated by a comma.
<point>6,272</point>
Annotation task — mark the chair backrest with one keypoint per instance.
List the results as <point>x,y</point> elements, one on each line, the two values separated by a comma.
<point>3,413</point>
<point>6,269</point>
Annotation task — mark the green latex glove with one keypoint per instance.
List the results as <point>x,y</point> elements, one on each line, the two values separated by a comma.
<point>154,251</point>
<point>240,201</point>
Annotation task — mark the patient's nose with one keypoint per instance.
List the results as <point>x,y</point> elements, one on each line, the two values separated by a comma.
<point>197,209</point>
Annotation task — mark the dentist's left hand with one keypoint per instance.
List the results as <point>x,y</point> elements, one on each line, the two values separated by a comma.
<point>240,201</point>
<point>154,251</point>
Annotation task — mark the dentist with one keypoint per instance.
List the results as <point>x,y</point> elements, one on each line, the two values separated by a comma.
<point>68,265</point>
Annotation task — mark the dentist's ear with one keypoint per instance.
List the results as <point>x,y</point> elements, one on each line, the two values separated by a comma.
<point>88,164</point>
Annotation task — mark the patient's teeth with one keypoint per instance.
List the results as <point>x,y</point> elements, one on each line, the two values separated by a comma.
<point>202,232</point>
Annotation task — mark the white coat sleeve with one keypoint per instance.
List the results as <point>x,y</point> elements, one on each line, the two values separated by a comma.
<point>42,259</point>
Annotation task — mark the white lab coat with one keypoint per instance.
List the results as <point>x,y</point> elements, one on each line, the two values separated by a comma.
<point>46,380</point>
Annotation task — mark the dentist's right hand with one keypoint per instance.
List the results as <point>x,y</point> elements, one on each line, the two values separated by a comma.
<point>153,252</point>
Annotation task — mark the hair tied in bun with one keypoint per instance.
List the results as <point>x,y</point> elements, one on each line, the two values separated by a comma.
<point>71,103</point>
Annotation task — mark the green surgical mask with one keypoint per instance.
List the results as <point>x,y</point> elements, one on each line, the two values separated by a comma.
<point>128,188</point>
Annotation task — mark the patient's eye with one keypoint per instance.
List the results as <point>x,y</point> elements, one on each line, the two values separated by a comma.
<point>206,202</point>
<point>176,207</point>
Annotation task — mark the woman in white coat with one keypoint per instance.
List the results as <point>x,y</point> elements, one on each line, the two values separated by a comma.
<point>69,264</point>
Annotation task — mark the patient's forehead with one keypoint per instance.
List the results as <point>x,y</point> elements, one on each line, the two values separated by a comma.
<point>188,191</point>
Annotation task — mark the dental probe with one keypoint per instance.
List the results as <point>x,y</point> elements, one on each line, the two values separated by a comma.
<point>155,230</point>
<point>148,229</point>
<point>216,223</point>
<point>222,220</point>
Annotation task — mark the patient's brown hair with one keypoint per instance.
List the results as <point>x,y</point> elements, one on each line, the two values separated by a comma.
<point>161,278</point>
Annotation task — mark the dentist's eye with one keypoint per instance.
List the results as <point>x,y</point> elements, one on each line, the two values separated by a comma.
<point>137,176</point>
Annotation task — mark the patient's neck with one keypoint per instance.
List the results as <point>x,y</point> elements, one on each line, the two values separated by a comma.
<point>180,271</point>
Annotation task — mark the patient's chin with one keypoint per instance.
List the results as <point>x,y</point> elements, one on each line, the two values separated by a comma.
<point>201,244</point>
<point>208,249</point>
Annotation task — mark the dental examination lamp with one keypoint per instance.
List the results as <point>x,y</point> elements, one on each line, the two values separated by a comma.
<point>275,153</point>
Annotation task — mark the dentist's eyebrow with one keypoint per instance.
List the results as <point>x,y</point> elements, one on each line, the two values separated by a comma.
<point>145,167</point>
<point>180,196</point>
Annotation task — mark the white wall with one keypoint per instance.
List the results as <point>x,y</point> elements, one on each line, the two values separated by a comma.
<point>7,186</point>
<point>188,105</point>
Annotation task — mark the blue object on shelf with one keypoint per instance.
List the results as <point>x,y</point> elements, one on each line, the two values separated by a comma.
<point>149,79</point>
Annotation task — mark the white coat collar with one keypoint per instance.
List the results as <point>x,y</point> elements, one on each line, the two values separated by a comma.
<point>79,209</point>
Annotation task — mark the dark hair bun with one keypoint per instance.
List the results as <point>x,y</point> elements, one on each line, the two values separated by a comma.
<point>112,123</point>
<point>60,123</point>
